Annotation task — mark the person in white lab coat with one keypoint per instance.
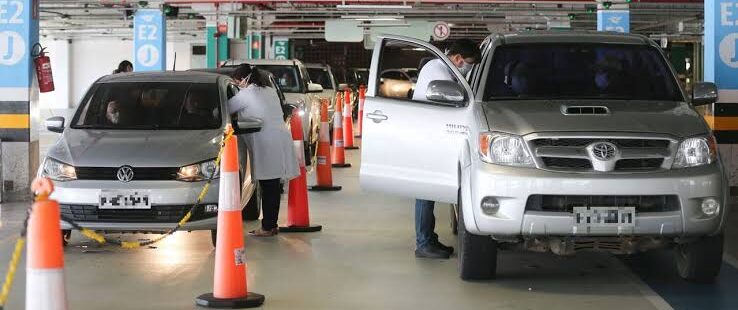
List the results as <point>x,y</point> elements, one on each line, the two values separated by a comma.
<point>273,157</point>
<point>463,54</point>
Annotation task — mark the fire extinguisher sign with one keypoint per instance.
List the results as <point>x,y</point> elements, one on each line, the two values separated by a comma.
<point>149,40</point>
<point>16,38</point>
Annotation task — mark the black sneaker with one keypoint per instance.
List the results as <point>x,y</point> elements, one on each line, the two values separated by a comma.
<point>446,248</point>
<point>431,251</point>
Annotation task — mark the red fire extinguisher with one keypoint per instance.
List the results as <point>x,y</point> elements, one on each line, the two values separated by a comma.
<point>43,69</point>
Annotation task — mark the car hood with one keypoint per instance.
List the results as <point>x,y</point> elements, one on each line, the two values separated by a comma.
<point>531,116</point>
<point>138,148</point>
<point>294,97</point>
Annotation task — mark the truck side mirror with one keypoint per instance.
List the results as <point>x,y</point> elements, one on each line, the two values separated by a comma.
<point>446,92</point>
<point>247,125</point>
<point>704,93</point>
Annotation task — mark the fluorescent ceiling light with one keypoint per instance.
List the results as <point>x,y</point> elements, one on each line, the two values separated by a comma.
<point>383,25</point>
<point>386,18</point>
<point>372,7</point>
<point>373,17</point>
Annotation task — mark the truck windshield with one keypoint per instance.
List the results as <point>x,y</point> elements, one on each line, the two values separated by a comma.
<point>150,105</point>
<point>580,71</point>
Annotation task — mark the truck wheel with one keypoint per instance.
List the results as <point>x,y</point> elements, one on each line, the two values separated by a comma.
<point>700,260</point>
<point>454,220</point>
<point>214,237</point>
<point>477,254</point>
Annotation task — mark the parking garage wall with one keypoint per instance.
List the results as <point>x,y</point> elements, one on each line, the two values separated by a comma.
<point>76,64</point>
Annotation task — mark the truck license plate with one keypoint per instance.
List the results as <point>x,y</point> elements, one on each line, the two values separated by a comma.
<point>121,199</point>
<point>606,217</point>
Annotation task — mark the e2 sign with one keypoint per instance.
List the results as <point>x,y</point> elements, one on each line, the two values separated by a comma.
<point>149,40</point>
<point>15,41</point>
<point>721,42</point>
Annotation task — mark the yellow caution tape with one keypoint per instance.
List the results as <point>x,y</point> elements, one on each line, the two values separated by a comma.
<point>185,219</point>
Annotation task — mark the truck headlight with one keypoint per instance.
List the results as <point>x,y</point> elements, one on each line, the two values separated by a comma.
<point>300,107</point>
<point>198,172</point>
<point>694,152</point>
<point>503,149</point>
<point>58,171</point>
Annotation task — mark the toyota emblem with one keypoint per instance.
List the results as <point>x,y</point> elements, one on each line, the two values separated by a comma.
<point>603,151</point>
<point>125,174</point>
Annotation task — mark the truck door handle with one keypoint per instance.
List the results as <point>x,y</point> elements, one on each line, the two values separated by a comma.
<point>376,116</point>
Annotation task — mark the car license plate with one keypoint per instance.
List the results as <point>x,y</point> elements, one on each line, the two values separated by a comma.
<point>604,217</point>
<point>121,199</point>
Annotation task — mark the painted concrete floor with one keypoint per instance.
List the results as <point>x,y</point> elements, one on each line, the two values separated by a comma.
<point>363,259</point>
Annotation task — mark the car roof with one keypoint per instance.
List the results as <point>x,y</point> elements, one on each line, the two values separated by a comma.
<point>256,62</point>
<point>316,65</point>
<point>162,76</point>
<point>572,37</point>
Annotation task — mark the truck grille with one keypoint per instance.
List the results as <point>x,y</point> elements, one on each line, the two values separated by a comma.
<point>566,203</point>
<point>139,173</point>
<point>571,154</point>
<point>157,214</point>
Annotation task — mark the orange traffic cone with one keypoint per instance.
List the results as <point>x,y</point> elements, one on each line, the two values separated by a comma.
<point>339,156</point>
<point>45,257</point>
<point>324,173</point>
<point>298,213</point>
<point>362,97</point>
<point>348,122</point>
<point>229,285</point>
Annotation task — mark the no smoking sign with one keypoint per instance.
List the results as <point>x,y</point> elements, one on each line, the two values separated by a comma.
<point>441,31</point>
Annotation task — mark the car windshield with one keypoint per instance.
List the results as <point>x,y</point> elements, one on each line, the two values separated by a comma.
<point>287,77</point>
<point>150,105</point>
<point>321,76</point>
<point>580,71</point>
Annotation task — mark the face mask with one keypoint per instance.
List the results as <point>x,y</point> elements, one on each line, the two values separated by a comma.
<point>283,81</point>
<point>115,117</point>
<point>465,68</point>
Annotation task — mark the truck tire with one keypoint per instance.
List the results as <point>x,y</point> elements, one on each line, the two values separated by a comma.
<point>477,254</point>
<point>700,260</point>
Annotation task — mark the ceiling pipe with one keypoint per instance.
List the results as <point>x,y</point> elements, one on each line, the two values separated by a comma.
<point>411,2</point>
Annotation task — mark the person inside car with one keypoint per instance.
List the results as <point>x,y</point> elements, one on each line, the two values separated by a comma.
<point>112,113</point>
<point>271,149</point>
<point>196,112</point>
<point>463,54</point>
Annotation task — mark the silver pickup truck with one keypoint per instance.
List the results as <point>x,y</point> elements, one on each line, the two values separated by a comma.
<point>560,142</point>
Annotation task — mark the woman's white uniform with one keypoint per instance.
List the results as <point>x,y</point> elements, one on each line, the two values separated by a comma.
<point>271,149</point>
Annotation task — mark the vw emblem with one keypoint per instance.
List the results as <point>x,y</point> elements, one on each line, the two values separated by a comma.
<point>603,151</point>
<point>125,174</point>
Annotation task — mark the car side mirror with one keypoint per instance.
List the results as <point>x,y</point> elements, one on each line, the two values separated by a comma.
<point>704,93</point>
<point>446,92</point>
<point>342,86</point>
<point>55,124</point>
<point>247,125</point>
<point>315,88</point>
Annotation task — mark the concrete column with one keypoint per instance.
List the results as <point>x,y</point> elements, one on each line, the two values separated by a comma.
<point>614,18</point>
<point>721,67</point>
<point>149,40</point>
<point>220,41</point>
<point>19,99</point>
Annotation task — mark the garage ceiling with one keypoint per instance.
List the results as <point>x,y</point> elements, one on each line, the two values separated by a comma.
<point>64,19</point>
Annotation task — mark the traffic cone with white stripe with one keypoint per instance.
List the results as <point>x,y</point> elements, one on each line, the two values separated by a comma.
<point>324,174</point>
<point>348,122</point>
<point>229,285</point>
<point>298,213</point>
<point>45,288</point>
<point>362,97</point>
<point>339,156</point>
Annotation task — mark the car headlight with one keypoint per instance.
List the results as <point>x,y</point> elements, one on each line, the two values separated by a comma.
<point>694,152</point>
<point>198,172</point>
<point>300,107</point>
<point>503,149</point>
<point>58,171</point>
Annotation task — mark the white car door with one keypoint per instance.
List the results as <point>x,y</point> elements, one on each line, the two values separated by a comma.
<point>412,148</point>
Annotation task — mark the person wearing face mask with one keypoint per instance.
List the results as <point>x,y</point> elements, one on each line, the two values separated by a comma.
<point>463,54</point>
<point>271,150</point>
